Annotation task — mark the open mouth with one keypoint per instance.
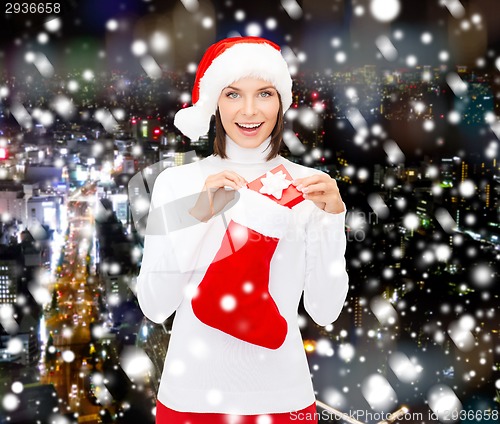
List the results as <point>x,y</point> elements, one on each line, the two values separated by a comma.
<point>249,126</point>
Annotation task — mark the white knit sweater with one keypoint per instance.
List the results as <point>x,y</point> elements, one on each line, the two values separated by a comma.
<point>207,370</point>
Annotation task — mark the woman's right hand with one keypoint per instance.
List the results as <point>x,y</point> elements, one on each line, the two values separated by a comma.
<point>214,196</point>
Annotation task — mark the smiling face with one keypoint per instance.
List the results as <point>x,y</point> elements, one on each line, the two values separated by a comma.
<point>249,111</point>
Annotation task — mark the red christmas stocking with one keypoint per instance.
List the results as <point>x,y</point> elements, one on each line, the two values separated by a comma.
<point>233,296</point>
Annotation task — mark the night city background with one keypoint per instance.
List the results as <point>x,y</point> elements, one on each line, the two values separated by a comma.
<point>397,100</point>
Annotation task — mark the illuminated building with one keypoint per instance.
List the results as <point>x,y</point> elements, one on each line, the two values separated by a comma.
<point>464,172</point>
<point>9,273</point>
<point>370,73</point>
<point>11,201</point>
<point>147,129</point>
<point>26,334</point>
<point>487,195</point>
<point>358,313</point>
<point>23,328</point>
<point>44,210</point>
<point>378,175</point>
<point>120,206</point>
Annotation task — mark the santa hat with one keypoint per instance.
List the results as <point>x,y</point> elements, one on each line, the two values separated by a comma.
<point>224,63</point>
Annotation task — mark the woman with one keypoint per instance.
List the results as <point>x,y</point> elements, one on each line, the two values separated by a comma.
<point>233,262</point>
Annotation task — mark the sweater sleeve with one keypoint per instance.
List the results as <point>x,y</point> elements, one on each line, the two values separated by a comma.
<point>326,282</point>
<point>161,283</point>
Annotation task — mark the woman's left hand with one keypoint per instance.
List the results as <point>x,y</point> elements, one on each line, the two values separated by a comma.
<point>322,190</point>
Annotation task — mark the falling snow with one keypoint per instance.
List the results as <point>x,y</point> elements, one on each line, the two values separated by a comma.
<point>385,10</point>
<point>378,393</point>
<point>420,325</point>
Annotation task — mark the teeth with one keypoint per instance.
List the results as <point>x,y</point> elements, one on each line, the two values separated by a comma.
<point>249,126</point>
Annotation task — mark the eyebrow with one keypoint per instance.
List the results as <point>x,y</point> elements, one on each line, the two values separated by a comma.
<point>259,89</point>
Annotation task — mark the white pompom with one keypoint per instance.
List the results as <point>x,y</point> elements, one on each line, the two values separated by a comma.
<point>193,121</point>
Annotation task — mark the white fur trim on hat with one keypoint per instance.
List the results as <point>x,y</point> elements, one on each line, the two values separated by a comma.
<point>193,121</point>
<point>259,60</point>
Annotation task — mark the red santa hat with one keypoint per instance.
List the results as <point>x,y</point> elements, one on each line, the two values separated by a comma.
<point>224,63</point>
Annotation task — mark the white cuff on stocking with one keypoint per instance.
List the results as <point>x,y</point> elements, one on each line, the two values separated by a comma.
<point>261,214</point>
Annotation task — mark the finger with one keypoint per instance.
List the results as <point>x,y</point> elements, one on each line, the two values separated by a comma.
<point>305,180</point>
<point>221,182</point>
<point>316,197</point>
<point>235,177</point>
<point>221,179</point>
<point>312,179</point>
<point>314,188</point>
<point>234,184</point>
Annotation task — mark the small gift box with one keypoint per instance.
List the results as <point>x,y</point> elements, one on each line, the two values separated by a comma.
<point>277,185</point>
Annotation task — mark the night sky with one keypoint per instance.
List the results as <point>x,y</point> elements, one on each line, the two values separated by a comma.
<point>311,32</point>
<point>86,39</point>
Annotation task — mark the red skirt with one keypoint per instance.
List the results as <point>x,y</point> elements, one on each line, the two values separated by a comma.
<point>166,415</point>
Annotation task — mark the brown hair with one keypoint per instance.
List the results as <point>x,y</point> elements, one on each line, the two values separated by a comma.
<point>276,135</point>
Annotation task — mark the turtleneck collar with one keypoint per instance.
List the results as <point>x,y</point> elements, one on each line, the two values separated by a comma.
<point>236,153</point>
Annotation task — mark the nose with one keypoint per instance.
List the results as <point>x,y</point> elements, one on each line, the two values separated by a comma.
<point>249,106</point>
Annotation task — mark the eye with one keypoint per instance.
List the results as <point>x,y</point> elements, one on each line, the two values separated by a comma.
<point>266,94</point>
<point>232,95</point>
